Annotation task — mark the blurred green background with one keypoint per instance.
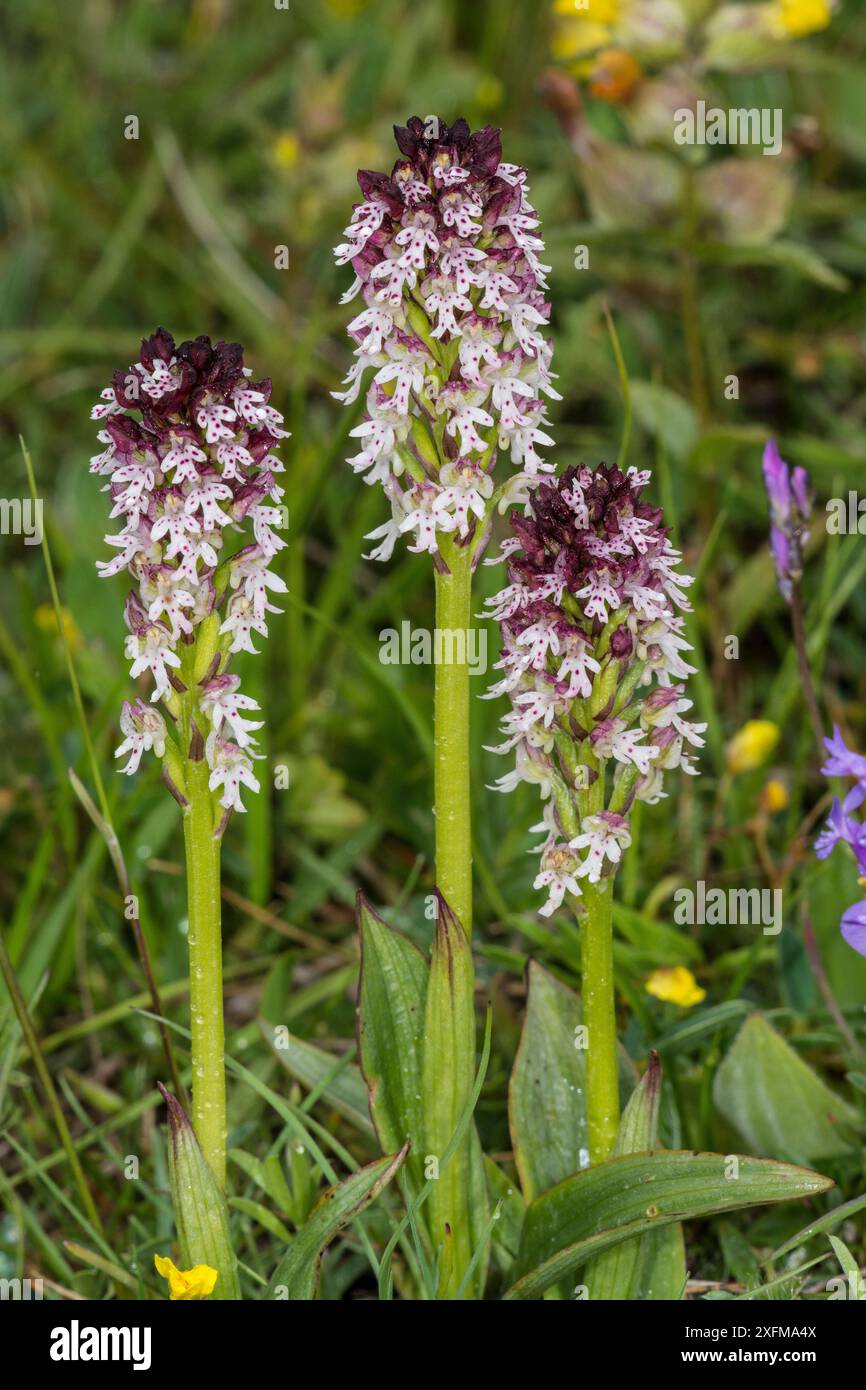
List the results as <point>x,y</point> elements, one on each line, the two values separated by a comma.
<point>251,123</point>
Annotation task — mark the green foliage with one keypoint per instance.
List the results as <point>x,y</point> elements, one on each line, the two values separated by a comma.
<point>297,1273</point>
<point>627,1196</point>
<point>776,1102</point>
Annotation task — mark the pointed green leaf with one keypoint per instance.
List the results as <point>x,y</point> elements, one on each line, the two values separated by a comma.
<point>200,1210</point>
<point>297,1273</point>
<point>846,1260</point>
<point>391,1030</point>
<point>275,1184</point>
<point>457,1212</point>
<point>625,1197</point>
<point>828,1222</point>
<point>776,1101</point>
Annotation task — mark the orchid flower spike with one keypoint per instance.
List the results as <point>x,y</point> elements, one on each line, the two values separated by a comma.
<point>446,255</point>
<point>188,457</point>
<point>594,665</point>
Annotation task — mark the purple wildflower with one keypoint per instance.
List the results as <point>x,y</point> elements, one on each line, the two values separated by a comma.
<point>843,762</point>
<point>840,827</point>
<point>446,256</point>
<point>188,457</point>
<point>588,620</point>
<point>853,927</point>
<point>790,509</point>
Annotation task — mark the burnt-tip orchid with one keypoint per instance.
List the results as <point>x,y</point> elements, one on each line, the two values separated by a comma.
<point>189,460</point>
<point>594,665</point>
<point>451,349</point>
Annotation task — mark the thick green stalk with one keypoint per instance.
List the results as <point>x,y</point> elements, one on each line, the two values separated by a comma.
<point>205,970</point>
<point>451,734</point>
<point>449,1035</point>
<point>602,1084</point>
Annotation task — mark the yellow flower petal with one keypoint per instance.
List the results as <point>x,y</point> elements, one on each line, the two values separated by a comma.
<point>801,17</point>
<point>752,745</point>
<point>287,149</point>
<point>186,1284</point>
<point>598,11</point>
<point>774,797</point>
<point>676,985</point>
<point>574,40</point>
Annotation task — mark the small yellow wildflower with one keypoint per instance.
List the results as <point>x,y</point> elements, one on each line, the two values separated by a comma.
<point>598,11</point>
<point>186,1284</point>
<point>774,797</point>
<point>615,74</point>
<point>583,27</point>
<point>46,621</point>
<point>287,149</point>
<point>752,745</point>
<point>676,985</point>
<point>573,41</point>
<point>801,17</point>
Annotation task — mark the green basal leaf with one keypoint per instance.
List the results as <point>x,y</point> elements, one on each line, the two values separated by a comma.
<point>391,1031</point>
<point>596,1209</point>
<point>297,1273</point>
<point>200,1210</point>
<point>776,1101</point>
<point>457,1212</point>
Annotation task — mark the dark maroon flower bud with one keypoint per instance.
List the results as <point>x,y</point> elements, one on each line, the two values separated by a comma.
<point>621,643</point>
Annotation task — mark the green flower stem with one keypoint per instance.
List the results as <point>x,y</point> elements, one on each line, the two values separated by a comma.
<point>451,735</point>
<point>205,970</point>
<point>602,1083</point>
<point>449,1033</point>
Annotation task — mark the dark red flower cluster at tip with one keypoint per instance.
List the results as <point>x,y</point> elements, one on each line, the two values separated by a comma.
<point>198,368</point>
<point>423,142</point>
<point>480,153</point>
<point>554,533</point>
<point>441,164</point>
